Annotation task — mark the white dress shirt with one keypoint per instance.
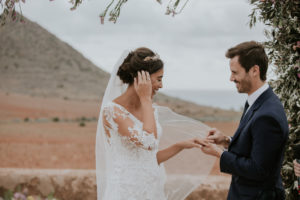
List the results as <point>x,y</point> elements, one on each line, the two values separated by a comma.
<point>252,98</point>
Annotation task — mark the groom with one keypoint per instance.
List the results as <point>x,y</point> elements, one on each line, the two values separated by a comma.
<point>255,152</point>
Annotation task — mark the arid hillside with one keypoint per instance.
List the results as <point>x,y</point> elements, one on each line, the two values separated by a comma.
<point>36,63</point>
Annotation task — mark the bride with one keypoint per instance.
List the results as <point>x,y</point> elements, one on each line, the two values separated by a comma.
<point>129,162</point>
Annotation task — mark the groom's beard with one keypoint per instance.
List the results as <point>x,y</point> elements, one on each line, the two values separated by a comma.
<point>243,86</point>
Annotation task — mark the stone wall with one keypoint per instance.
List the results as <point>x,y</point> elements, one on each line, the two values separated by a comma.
<point>81,184</point>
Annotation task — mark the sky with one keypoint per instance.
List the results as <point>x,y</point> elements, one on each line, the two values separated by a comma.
<point>191,44</point>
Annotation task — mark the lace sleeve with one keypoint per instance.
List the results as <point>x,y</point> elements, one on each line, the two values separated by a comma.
<point>127,126</point>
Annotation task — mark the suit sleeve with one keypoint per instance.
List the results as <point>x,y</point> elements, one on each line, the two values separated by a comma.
<point>267,142</point>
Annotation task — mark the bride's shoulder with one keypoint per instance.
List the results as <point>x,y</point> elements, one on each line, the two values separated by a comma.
<point>108,106</point>
<point>114,107</point>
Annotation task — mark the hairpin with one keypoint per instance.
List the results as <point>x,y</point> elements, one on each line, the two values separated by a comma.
<point>154,58</point>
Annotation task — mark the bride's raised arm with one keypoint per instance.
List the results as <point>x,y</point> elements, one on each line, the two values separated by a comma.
<point>143,88</point>
<point>169,152</point>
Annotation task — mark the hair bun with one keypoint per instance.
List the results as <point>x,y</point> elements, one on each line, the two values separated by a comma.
<point>125,68</point>
<point>140,59</point>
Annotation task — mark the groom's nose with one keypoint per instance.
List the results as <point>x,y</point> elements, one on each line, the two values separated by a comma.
<point>232,78</point>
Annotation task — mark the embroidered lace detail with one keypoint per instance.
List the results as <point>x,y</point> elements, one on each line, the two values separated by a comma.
<point>133,172</point>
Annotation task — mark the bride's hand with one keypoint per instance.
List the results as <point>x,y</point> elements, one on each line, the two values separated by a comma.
<point>143,85</point>
<point>196,142</point>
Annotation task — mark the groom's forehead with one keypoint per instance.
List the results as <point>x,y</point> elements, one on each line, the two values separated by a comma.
<point>235,59</point>
<point>234,63</point>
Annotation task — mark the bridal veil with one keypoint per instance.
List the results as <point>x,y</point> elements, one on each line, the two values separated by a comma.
<point>184,172</point>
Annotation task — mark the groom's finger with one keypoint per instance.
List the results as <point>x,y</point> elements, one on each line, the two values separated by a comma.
<point>207,141</point>
<point>211,137</point>
<point>205,149</point>
<point>201,142</point>
<point>210,140</point>
<point>211,131</point>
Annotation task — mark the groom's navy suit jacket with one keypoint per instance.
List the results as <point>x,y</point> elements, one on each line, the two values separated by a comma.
<point>255,154</point>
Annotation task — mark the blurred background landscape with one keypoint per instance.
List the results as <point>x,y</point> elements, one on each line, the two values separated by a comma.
<point>50,100</point>
<point>53,74</point>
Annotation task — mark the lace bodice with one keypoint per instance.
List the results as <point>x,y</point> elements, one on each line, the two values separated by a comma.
<point>133,172</point>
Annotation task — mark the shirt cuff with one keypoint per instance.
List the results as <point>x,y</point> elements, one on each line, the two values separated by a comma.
<point>229,139</point>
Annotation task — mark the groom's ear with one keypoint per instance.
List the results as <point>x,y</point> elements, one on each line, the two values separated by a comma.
<point>255,71</point>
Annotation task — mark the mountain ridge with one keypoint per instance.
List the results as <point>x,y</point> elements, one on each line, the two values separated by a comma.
<point>35,62</point>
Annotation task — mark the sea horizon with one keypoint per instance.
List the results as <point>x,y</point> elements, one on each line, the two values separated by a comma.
<point>224,99</point>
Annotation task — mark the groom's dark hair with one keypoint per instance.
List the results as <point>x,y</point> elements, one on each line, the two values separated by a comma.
<point>250,54</point>
<point>138,60</point>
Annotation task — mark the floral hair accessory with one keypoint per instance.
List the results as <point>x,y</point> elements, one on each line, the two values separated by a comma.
<point>153,58</point>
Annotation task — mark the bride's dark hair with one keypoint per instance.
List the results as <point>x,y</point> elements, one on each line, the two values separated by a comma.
<point>137,60</point>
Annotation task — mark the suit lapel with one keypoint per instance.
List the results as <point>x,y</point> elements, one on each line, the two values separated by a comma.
<point>259,101</point>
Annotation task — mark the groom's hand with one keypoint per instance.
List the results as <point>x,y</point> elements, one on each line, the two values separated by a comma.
<point>218,137</point>
<point>202,141</point>
<point>212,149</point>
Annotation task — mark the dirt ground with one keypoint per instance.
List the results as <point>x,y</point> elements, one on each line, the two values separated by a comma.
<point>29,137</point>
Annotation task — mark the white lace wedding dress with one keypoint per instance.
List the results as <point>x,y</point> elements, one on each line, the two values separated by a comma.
<point>132,170</point>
